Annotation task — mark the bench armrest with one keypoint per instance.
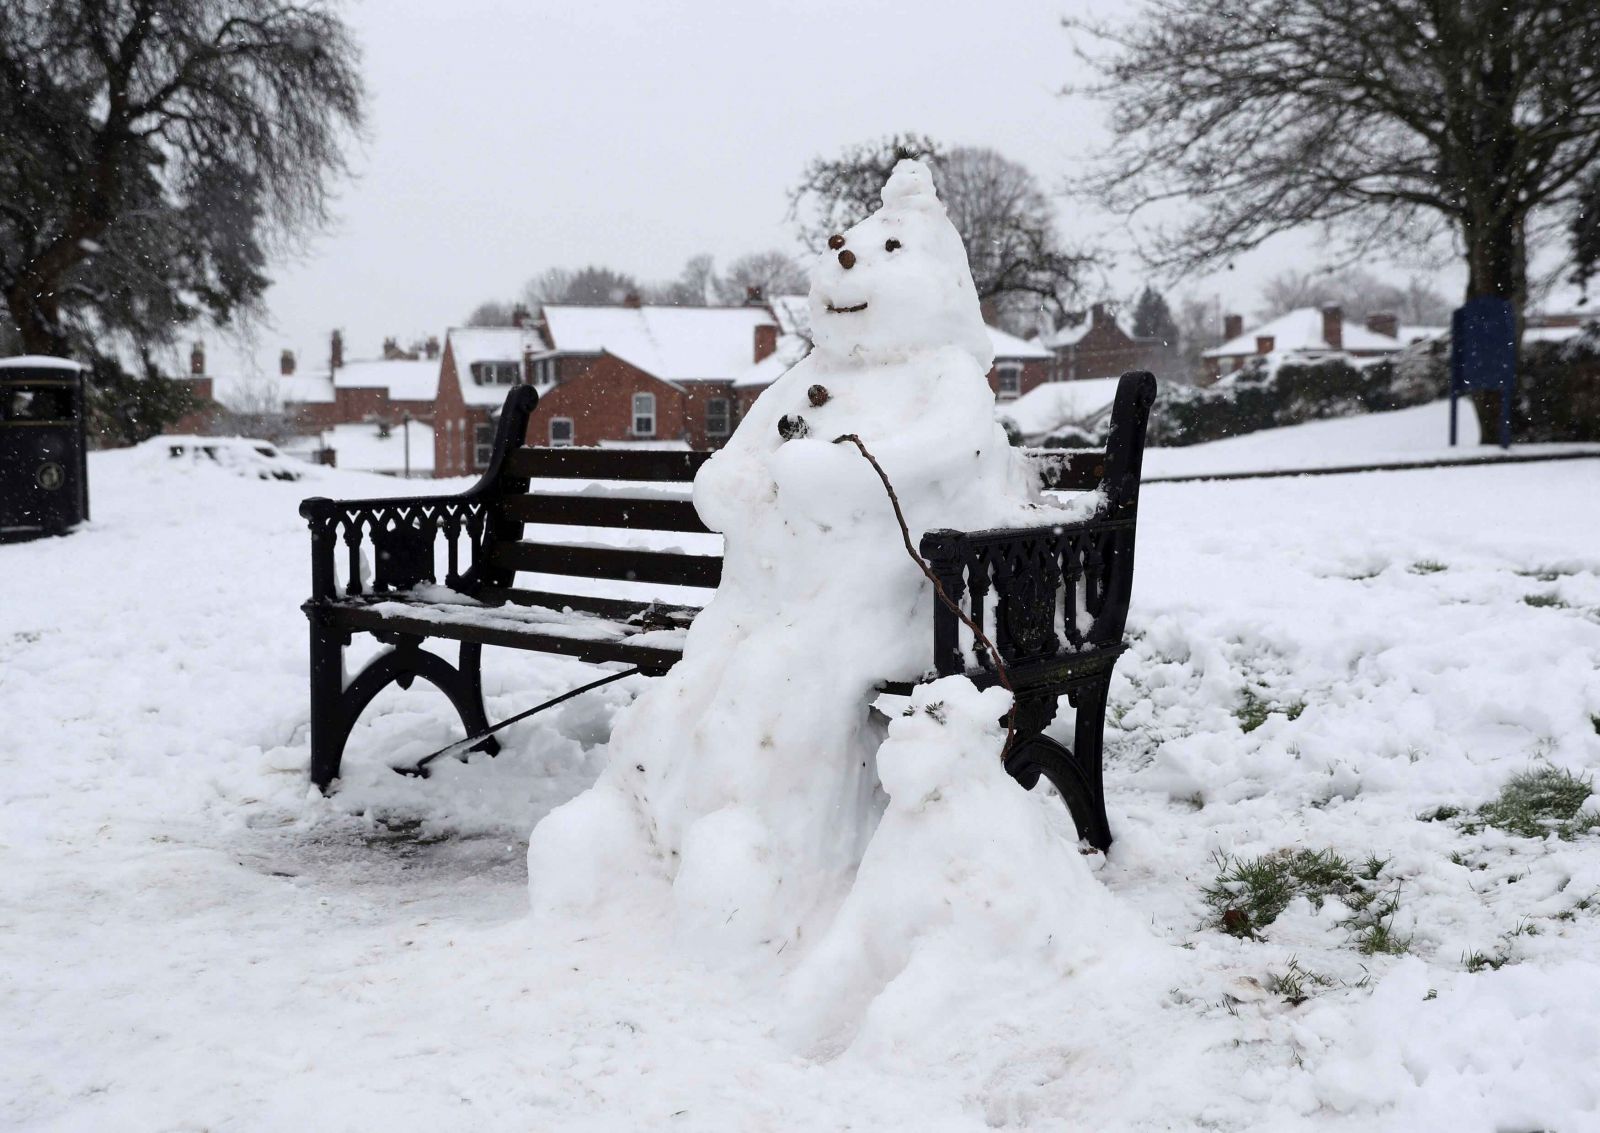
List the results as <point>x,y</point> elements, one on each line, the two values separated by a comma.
<point>403,529</point>
<point>1060,590</point>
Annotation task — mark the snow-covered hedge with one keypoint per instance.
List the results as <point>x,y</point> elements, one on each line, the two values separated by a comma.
<point>1558,393</point>
<point>1261,397</point>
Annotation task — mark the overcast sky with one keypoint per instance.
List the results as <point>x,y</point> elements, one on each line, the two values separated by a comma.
<point>506,137</point>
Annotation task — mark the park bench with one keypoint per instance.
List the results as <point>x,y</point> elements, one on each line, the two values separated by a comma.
<point>1054,599</point>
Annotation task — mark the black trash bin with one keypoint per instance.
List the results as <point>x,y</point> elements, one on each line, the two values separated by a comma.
<point>44,470</point>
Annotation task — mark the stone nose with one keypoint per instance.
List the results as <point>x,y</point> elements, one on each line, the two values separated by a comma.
<point>847,259</point>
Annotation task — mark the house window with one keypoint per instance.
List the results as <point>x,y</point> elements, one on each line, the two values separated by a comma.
<point>560,431</point>
<point>483,445</point>
<point>496,373</point>
<point>717,420</point>
<point>544,372</point>
<point>1010,374</point>
<point>644,414</point>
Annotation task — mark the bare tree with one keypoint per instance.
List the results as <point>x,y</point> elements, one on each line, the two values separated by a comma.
<point>1020,264</point>
<point>1393,119</point>
<point>693,287</point>
<point>1358,292</point>
<point>151,148</point>
<point>765,273</point>
<point>492,313</point>
<point>590,286</point>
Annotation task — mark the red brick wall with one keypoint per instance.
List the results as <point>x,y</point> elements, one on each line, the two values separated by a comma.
<point>200,419</point>
<point>1035,372</point>
<point>454,423</point>
<point>1105,352</point>
<point>599,402</point>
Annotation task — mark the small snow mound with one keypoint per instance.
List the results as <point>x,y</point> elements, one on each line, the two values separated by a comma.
<point>966,888</point>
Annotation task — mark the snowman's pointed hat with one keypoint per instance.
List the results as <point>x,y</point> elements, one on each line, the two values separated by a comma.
<point>910,185</point>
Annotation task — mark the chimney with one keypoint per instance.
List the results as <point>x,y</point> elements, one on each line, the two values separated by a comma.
<point>197,359</point>
<point>286,363</point>
<point>430,349</point>
<point>1333,327</point>
<point>1098,314</point>
<point>336,352</point>
<point>1388,325</point>
<point>519,318</point>
<point>1265,343</point>
<point>391,349</point>
<point>631,299</point>
<point>1232,327</point>
<point>766,341</point>
<point>752,296</point>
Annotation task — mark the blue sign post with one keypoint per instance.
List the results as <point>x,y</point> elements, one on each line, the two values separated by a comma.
<point>1483,355</point>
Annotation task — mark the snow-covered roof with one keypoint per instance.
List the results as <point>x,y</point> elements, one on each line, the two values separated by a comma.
<point>470,345</point>
<point>1049,406</point>
<point>405,379</point>
<point>1410,334</point>
<point>673,343</point>
<point>40,362</point>
<point>1301,330</point>
<point>1010,346</point>
<point>305,389</point>
<point>1066,336</point>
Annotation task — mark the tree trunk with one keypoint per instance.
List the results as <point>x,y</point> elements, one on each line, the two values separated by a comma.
<point>1497,266</point>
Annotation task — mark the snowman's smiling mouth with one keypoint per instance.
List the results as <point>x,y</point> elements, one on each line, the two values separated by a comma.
<point>832,310</point>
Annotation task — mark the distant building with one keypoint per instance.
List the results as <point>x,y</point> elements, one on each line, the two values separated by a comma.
<point>200,420</point>
<point>1308,334</point>
<point>349,391</point>
<point>1103,345</point>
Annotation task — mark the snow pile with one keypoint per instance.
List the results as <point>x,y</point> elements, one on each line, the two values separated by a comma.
<point>745,779</point>
<point>966,885</point>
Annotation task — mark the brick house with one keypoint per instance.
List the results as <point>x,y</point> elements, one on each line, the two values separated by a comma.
<point>201,419</point>
<point>642,375</point>
<point>1102,345</point>
<point>1304,333</point>
<point>478,366</point>
<point>387,388</point>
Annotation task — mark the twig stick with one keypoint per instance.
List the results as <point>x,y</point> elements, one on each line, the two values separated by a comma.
<point>938,588</point>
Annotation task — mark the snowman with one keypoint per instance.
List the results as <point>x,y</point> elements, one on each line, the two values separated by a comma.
<point>742,787</point>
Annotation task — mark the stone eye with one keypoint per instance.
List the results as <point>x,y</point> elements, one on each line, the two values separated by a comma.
<point>890,245</point>
<point>836,241</point>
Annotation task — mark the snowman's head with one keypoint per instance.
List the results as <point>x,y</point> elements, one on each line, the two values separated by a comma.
<point>898,282</point>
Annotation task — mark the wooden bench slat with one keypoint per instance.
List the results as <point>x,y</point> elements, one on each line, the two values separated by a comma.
<point>618,609</point>
<point>1068,470</point>
<point>653,659</point>
<point>624,564</point>
<point>604,511</point>
<point>606,463</point>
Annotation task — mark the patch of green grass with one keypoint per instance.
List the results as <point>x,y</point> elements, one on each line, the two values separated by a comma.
<point>1248,894</point>
<point>1294,985</point>
<point>1594,718</point>
<point>1543,601</point>
<point>1440,814</point>
<point>1253,710</point>
<point>1479,961</point>
<point>1543,575</point>
<point>1543,801</point>
<point>1428,566</point>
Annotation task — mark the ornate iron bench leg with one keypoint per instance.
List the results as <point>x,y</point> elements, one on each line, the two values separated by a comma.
<point>328,728</point>
<point>1075,774</point>
<point>336,706</point>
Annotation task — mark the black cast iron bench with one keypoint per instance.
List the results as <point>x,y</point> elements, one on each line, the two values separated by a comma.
<point>1054,599</point>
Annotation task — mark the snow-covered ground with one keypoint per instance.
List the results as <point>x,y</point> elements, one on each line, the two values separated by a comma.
<point>1417,435</point>
<point>189,938</point>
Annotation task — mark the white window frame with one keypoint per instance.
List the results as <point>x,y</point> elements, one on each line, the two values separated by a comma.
<point>496,373</point>
<point>644,409</point>
<point>727,416</point>
<point>1013,372</point>
<point>571,431</point>
<point>482,444</point>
